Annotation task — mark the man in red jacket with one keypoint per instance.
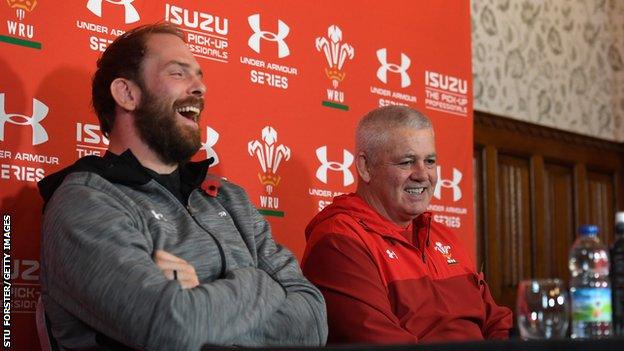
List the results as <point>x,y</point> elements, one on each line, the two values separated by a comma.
<point>389,273</point>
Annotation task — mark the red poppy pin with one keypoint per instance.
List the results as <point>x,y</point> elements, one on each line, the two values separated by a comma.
<point>211,185</point>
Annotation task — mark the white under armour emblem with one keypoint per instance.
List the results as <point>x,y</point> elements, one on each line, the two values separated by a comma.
<point>347,161</point>
<point>222,214</point>
<point>158,216</point>
<point>131,14</point>
<point>391,254</point>
<point>39,112</point>
<point>382,72</point>
<point>282,33</point>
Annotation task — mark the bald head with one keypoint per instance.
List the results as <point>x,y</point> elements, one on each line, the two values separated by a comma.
<point>374,128</point>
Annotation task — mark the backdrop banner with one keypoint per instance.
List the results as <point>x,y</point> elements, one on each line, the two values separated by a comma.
<point>286,81</point>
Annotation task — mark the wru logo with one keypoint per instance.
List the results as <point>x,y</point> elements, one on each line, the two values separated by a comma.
<point>131,14</point>
<point>382,72</point>
<point>21,6</point>
<point>446,183</point>
<point>270,156</point>
<point>40,111</point>
<point>347,161</point>
<point>335,53</point>
<point>282,33</point>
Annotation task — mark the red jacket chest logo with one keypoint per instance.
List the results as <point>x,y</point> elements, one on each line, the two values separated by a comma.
<point>445,250</point>
<point>391,254</point>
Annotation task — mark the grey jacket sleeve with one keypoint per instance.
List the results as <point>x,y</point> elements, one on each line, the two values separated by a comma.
<point>301,319</point>
<point>98,267</point>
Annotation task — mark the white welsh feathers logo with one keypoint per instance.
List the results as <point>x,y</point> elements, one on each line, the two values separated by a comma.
<point>335,52</point>
<point>270,155</point>
<point>445,250</point>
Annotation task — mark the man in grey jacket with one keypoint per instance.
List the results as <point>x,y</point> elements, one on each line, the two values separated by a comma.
<point>142,249</point>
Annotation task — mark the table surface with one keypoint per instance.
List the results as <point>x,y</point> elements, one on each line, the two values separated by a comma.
<point>506,345</point>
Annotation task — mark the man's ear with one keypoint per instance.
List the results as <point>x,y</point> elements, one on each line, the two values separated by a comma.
<point>125,93</point>
<point>362,164</point>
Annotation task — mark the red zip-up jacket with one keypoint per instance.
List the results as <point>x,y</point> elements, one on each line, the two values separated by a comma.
<point>386,284</point>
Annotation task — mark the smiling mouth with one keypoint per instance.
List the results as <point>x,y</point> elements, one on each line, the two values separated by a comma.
<point>415,191</point>
<point>189,112</point>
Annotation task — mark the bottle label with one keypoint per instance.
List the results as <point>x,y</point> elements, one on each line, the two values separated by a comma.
<point>591,305</point>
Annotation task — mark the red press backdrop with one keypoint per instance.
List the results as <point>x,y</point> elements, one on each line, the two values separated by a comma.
<point>287,82</point>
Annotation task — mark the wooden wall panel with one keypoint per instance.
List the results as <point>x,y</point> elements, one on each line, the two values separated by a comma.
<point>601,202</point>
<point>533,187</point>
<point>559,221</point>
<point>515,222</point>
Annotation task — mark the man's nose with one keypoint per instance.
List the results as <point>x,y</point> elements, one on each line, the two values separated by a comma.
<point>198,88</point>
<point>419,171</point>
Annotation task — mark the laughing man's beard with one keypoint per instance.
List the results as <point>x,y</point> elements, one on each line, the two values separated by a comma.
<point>157,126</point>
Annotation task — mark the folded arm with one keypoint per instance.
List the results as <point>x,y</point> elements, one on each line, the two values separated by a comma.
<point>98,266</point>
<point>301,317</point>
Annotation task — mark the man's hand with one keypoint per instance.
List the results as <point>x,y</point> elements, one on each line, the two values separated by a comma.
<point>184,272</point>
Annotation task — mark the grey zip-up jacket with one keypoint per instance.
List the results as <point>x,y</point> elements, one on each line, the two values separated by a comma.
<point>101,288</point>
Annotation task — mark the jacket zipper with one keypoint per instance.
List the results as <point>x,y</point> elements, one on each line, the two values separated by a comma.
<point>219,246</point>
<point>188,209</point>
<point>431,261</point>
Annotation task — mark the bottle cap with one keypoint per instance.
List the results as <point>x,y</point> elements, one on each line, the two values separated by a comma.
<point>588,230</point>
<point>619,224</point>
<point>619,217</point>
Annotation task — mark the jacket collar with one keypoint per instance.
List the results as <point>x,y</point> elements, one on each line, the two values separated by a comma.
<point>124,169</point>
<point>416,233</point>
<point>128,170</point>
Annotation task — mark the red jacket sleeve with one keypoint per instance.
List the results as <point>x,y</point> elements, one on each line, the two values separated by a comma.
<point>498,319</point>
<point>358,308</point>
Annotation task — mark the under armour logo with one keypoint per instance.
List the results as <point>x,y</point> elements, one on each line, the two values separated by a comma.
<point>391,254</point>
<point>40,111</point>
<point>446,183</point>
<point>158,216</point>
<point>282,33</point>
<point>382,72</point>
<point>347,161</point>
<point>212,136</point>
<point>131,14</point>
<point>222,214</point>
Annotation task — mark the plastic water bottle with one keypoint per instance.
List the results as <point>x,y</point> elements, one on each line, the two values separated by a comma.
<point>590,290</point>
<point>617,275</point>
